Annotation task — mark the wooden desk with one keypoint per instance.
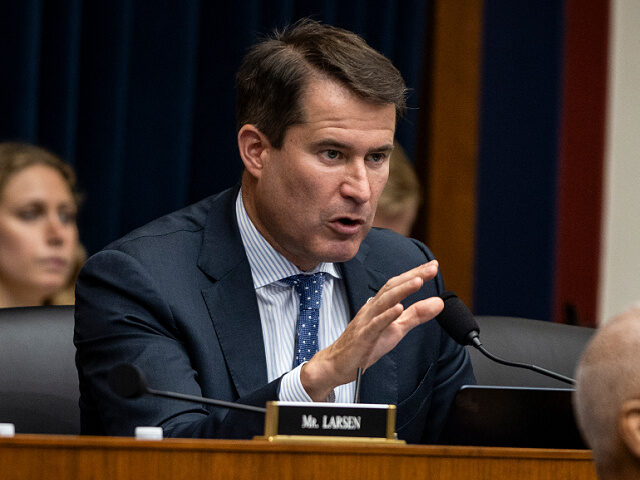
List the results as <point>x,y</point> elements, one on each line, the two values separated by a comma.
<point>27,457</point>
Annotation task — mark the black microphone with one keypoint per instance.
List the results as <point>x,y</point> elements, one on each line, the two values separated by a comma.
<point>458,321</point>
<point>128,381</point>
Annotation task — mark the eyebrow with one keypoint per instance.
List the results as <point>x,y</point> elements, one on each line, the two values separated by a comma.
<point>328,143</point>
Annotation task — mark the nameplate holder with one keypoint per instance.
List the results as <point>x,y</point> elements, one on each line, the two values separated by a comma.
<point>330,422</point>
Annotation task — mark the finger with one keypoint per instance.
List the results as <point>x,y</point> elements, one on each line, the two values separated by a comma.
<point>382,320</point>
<point>398,288</point>
<point>426,272</point>
<point>419,313</point>
<point>390,297</point>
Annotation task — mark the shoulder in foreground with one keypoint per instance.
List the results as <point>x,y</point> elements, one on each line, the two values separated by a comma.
<point>192,218</point>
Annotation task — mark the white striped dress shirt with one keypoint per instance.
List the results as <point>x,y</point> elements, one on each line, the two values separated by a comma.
<point>278,304</point>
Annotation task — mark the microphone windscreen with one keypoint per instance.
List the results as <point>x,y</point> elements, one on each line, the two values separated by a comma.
<point>127,381</point>
<point>456,319</point>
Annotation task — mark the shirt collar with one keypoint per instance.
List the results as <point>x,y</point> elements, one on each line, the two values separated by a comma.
<point>267,265</point>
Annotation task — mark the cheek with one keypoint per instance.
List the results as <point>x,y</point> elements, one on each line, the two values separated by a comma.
<point>16,240</point>
<point>300,196</point>
<point>71,237</point>
<point>16,249</point>
<point>378,182</point>
<point>375,196</point>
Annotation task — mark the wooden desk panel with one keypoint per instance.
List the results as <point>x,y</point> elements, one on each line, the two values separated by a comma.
<point>28,457</point>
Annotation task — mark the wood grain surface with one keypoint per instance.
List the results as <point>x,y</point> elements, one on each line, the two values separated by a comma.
<point>27,457</point>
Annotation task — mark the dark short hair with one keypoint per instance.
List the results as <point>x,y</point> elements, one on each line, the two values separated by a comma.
<point>275,72</point>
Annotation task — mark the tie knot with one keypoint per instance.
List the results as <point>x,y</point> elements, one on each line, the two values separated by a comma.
<point>305,281</point>
<point>309,288</point>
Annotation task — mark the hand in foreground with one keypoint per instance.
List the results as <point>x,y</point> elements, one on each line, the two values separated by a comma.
<point>377,328</point>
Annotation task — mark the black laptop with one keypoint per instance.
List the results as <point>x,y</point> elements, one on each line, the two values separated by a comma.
<point>512,417</point>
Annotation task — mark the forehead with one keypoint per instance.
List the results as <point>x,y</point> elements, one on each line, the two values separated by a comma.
<point>332,109</point>
<point>38,182</point>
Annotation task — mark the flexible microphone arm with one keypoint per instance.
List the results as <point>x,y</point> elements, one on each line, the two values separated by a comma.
<point>474,340</point>
<point>128,381</point>
<point>207,401</point>
<point>458,321</point>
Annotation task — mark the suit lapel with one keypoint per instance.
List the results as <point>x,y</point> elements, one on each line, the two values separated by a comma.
<point>380,381</point>
<point>231,300</point>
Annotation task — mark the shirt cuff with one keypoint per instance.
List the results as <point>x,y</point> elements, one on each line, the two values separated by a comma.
<point>291,389</point>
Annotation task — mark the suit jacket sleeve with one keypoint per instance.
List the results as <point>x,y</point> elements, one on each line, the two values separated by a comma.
<point>121,316</point>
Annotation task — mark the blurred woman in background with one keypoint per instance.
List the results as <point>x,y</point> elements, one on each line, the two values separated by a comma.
<point>398,204</point>
<point>40,255</point>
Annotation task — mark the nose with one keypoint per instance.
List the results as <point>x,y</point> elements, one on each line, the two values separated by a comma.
<point>356,185</point>
<point>55,231</point>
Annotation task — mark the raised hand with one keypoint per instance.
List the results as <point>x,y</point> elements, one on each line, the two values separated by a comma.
<point>377,328</point>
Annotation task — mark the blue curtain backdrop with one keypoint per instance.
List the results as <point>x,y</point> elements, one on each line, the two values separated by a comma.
<point>139,97</point>
<point>521,107</point>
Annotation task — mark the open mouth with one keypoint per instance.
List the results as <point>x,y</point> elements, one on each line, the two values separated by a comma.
<point>347,226</point>
<point>348,221</point>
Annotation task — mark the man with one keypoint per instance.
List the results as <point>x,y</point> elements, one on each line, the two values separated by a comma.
<point>209,300</point>
<point>607,397</point>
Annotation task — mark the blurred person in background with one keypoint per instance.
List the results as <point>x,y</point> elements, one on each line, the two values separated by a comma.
<point>400,199</point>
<point>607,397</point>
<point>40,254</point>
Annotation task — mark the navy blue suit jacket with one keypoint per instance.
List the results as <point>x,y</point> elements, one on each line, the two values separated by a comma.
<point>176,298</point>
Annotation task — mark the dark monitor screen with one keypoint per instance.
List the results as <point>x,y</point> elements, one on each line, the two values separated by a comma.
<point>512,417</point>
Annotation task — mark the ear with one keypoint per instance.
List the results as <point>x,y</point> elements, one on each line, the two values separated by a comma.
<point>629,423</point>
<point>254,149</point>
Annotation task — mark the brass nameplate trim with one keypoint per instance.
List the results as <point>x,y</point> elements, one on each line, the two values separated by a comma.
<point>320,422</point>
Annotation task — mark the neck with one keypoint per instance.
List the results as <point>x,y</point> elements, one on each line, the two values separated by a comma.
<point>249,203</point>
<point>12,298</point>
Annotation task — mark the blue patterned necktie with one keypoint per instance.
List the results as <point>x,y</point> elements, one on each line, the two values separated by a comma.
<point>309,288</point>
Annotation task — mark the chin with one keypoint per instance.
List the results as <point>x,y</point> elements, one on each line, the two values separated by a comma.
<point>342,254</point>
<point>51,286</point>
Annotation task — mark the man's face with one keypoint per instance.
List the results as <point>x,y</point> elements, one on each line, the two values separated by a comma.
<point>315,198</point>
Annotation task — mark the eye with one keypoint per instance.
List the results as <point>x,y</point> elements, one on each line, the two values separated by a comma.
<point>29,214</point>
<point>377,157</point>
<point>332,154</point>
<point>67,216</point>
